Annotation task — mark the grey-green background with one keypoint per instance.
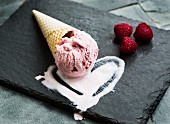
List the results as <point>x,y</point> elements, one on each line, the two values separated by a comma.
<point>16,108</point>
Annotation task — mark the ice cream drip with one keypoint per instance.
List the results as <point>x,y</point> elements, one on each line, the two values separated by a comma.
<point>85,92</point>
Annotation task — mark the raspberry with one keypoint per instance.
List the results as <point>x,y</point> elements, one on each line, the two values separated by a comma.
<point>122,30</point>
<point>143,33</point>
<point>128,45</point>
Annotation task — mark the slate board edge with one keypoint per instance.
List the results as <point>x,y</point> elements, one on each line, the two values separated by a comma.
<point>150,109</point>
<point>147,112</point>
<point>56,103</point>
<point>10,16</point>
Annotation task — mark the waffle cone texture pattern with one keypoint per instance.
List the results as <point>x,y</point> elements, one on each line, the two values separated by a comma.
<point>52,29</point>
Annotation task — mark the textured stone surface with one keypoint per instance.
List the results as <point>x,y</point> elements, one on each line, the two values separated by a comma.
<point>161,116</point>
<point>155,5</point>
<point>7,7</point>
<point>161,20</point>
<point>16,108</point>
<point>106,4</point>
<point>133,12</point>
<point>135,96</point>
<point>157,10</point>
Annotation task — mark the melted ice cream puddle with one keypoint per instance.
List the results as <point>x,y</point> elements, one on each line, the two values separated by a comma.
<point>78,116</point>
<point>103,78</point>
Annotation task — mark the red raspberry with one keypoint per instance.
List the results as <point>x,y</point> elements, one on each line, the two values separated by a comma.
<point>143,33</point>
<point>128,45</point>
<point>122,30</point>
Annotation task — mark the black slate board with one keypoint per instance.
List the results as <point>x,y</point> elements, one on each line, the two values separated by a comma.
<point>25,54</point>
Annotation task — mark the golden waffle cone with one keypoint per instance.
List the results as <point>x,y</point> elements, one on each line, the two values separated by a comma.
<point>52,29</point>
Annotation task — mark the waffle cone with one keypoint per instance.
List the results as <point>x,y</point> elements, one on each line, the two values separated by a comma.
<point>52,29</point>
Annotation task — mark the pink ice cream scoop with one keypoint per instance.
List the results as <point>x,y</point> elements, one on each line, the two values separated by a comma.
<point>76,54</point>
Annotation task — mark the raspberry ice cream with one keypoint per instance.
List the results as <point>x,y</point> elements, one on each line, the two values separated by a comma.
<point>76,54</point>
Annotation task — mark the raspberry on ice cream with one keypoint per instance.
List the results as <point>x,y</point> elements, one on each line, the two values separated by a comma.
<point>76,54</point>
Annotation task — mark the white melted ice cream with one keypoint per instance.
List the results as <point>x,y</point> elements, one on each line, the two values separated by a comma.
<point>103,78</point>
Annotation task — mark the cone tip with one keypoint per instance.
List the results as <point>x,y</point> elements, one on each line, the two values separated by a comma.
<point>34,11</point>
